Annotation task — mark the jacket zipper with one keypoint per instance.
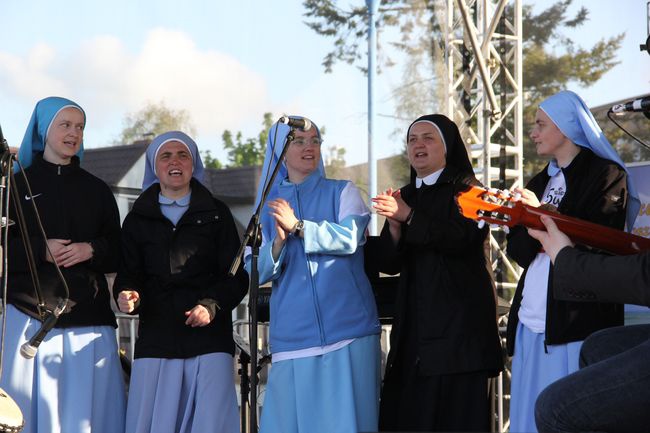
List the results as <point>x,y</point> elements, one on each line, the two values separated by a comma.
<point>311,277</point>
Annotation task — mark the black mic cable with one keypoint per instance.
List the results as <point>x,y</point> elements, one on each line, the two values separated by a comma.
<point>609,115</point>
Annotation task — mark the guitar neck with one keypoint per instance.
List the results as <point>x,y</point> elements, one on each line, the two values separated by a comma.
<point>587,233</point>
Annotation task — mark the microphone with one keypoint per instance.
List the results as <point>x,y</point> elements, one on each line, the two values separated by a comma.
<point>641,104</point>
<point>302,123</point>
<point>29,349</point>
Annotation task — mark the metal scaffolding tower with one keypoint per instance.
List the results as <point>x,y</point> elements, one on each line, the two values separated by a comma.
<point>484,85</point>
<point>483,56</point>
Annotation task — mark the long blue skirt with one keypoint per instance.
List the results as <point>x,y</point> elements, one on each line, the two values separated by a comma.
<point>533,370</point>
<point>73,385</point>
<point>194,395</point>
<point>336,392</point>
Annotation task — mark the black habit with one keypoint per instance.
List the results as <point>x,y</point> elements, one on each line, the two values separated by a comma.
<point>444,342</point>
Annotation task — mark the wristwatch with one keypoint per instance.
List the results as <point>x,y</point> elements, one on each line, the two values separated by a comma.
<point>298,228</point>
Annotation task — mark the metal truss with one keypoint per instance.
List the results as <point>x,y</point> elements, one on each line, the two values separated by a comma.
<point>483,57</point>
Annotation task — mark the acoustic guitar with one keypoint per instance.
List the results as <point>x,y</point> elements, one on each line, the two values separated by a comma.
<point>500,207</point>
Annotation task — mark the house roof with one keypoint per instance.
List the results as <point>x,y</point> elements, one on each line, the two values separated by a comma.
<point>112,163</point>
<point>234,185</point>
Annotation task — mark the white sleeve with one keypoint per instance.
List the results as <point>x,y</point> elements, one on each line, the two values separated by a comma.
<point>351,202</point>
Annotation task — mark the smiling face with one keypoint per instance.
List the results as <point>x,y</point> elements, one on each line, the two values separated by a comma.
<point>64,137</point>
<point>174,169</point>
<point>303,155</point>
<point>425,149</point>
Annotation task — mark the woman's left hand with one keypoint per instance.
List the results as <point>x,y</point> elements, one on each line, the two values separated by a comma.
<point>283,213</point>
<point>391,205</point>
<point>74,253</point>
<point>197,316</point>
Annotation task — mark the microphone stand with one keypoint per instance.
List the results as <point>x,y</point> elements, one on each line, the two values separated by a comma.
<point>253,238</point>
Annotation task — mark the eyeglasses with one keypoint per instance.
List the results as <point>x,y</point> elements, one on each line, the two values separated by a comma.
<point>301,142</point>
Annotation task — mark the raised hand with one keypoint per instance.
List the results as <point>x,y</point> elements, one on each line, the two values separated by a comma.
<point>283,213</point>
<point>391,205</point>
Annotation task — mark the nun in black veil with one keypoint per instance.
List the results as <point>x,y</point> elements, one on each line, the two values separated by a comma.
<point>444,342</point>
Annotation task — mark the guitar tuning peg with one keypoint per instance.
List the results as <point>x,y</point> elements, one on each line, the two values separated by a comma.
<point>494,226</point>
<point>506,229</point>
<point>481,224</point>
<point>493,191</point>
<point>505,193</point>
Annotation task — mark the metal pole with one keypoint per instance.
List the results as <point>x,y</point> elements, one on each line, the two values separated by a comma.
<point>373,8</point>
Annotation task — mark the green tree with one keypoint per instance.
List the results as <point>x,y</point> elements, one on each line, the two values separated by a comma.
<point>210,162</point>
<point>412,28</point>
<point>247,152</point>
<point>152,120</point>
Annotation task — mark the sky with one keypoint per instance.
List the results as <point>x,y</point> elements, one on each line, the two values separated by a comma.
<point>229,62</point>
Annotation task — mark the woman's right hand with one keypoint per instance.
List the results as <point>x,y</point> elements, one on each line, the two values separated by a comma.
<point>126,300</point>
<point>527,197</point>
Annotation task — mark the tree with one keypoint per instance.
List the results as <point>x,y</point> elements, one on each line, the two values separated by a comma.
<point>210,162</point>
<point>417,26</point>
<point>152,120</point>
<point>247,152</point>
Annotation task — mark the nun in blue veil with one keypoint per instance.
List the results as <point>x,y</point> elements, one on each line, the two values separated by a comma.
<point>178,242</point>
<point>74,383</point>
<point>324,330</point>
<point>586,179</point>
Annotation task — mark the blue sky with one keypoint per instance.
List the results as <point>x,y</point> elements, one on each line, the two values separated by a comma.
<point>227,63</point>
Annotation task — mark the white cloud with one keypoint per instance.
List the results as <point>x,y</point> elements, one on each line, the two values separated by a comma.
<point>109,81</point>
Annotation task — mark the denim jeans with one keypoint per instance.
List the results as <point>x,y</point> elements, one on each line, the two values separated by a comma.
<point>611,391</point>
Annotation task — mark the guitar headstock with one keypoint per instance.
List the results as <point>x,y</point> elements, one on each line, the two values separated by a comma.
<point>492,205</point>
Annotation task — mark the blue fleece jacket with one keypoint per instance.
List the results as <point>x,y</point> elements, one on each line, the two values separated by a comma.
<point>321,294</point>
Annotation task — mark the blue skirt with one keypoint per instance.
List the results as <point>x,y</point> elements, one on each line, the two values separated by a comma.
<point>194,395</point>
<point>533,370</point>
<point>336,392</point>
<point>74,384</point>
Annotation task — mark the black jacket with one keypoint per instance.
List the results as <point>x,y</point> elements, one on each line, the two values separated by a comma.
<point>445,319</point>
<point>72,204</point>
<point>582,276</point>
<point>596,192</point>
<point>174,268</point>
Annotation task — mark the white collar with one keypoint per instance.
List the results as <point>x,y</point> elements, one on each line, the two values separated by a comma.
<point>428,180</point>
<point>182,201</point>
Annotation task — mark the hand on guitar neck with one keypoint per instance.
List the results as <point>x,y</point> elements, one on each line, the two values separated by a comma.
<point>508,208</point>
<point>529,198</point>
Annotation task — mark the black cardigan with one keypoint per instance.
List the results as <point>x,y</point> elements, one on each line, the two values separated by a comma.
<point>596,192</point>
<point>174,268</point>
